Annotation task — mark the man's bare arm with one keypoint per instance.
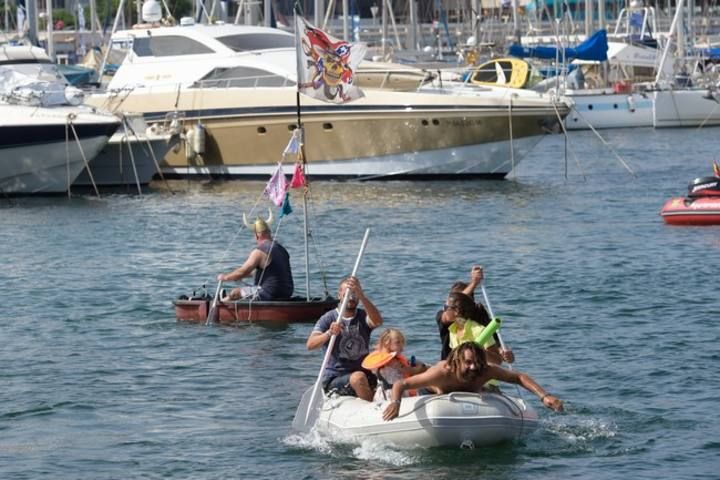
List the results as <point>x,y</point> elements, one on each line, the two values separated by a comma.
<point>527,382</point>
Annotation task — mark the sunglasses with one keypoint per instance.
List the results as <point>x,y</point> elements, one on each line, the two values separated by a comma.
<point>447,307</point>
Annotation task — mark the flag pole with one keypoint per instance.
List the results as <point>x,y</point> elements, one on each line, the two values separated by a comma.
<point>303,163</point>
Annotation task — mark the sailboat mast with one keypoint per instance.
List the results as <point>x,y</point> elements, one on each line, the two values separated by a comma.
<point>305,193</point>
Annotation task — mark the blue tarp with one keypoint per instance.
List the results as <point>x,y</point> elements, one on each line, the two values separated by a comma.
<point>594,48</point>
<point>711,53</point>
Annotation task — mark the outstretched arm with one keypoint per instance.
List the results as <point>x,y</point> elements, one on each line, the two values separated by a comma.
<point>526,381</point>
<point>254,260</point>
<point>428,378</point>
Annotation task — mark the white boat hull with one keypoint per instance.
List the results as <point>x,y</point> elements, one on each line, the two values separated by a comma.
<point>685,108</point>
<point>453,420</point>
<point>489,160</point>
<point>34,156</point>
<point>114,166</point>
<point>609,110</point>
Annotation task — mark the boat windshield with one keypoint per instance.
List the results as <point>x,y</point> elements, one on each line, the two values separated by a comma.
<point>243,77</point>
<point>168,46</point>
<point>257,41</point>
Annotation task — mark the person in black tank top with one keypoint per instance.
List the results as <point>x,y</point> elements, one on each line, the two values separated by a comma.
<point>271,264</point>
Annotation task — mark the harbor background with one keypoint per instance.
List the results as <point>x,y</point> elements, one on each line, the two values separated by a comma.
<point>605,305</point>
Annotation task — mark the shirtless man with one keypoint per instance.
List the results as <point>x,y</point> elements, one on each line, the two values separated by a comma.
<point>465,370</point>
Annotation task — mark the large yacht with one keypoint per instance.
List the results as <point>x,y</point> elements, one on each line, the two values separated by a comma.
<point>234,88</point>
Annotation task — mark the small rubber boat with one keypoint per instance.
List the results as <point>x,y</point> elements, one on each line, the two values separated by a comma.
<point>458,419</point>
<point>295,310</point>
<point>700,207</point>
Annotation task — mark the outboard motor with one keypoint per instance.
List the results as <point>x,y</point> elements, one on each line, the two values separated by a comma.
<point>704,187</point>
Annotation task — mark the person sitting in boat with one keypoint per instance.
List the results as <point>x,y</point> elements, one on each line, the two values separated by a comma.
<point>343,372</point>
<point>270,262</point>
<point>388,363</point>
<point>446,317</point>
<point>465,370</point>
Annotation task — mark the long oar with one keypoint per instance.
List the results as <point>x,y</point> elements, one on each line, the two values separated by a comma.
<point>492,317</point>
<point>312,400</point>
<point>213,307</point>
<point>499,336</point>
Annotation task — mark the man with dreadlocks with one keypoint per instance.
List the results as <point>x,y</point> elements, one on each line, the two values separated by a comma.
<point>271,263</point>
<point>465,370</point>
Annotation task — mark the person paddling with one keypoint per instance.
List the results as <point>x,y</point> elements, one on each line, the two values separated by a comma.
<point>448,319</point>
<point>465,370</point>
<point>271,264</point>
<point>344,372</point>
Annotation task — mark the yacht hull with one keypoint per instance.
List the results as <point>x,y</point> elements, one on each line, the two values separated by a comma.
<point>113,166</point>
<point>393,134</point>
<point>685,108</point>
<point>609,110</point>
<point>34,155</point>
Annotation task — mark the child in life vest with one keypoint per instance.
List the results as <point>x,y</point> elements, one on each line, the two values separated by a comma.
<point>389,364</point>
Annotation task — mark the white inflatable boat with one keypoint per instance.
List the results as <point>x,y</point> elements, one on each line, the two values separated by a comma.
<point>452,420</point>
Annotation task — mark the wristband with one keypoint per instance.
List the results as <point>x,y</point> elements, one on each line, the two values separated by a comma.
<point>396,402</point>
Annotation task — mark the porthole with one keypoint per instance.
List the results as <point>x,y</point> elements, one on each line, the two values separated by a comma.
<point>436,121</point>
<point>327,126</point>
<point>292,127</point>
<point>590,107</point>
<point>425,123</point>
<point>262,130</point>
<point>615,106</point>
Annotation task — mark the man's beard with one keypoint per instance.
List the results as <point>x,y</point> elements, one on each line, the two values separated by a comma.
<point>471,375</point>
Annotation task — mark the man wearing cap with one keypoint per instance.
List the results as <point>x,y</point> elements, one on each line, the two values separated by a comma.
<point>271,263</point>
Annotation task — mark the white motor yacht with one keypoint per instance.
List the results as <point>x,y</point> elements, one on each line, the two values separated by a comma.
<point>39,151</point>
<point>234,88</point>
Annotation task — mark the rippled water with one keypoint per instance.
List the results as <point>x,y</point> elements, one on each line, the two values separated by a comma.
<point>604,305</point>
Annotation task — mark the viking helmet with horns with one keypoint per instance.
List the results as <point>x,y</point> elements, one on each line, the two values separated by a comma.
<point>259,225</point>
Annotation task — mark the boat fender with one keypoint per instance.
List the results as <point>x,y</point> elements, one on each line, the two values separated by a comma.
<point>190,153</point>
<point>199,138</point>
<point>631,103</point>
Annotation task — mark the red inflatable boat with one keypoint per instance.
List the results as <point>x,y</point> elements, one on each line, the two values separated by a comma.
<point>700,207</point>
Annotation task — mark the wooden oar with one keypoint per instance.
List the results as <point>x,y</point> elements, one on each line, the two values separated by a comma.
<point>211,312</point>
<point>313,398</point>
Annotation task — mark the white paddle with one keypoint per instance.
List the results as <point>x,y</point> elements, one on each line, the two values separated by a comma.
<point>492,315</point>
<point>211,312</point>
<point>312,400</point>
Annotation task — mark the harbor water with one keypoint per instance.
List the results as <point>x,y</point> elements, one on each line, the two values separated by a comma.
<point>603,304</point>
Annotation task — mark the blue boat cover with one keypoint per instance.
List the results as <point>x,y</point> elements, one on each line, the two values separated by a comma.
<point>594,48</point>
<point>711,53</point>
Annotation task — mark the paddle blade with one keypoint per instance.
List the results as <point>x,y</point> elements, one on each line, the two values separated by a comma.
<point>309,409</point>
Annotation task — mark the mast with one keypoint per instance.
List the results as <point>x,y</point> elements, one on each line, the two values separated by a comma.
<point>302,158</point>
<point>50,27</point>
<point>666,50</point>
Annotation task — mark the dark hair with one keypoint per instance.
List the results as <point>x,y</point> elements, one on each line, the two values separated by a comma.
<point>465,306</point>
<point>456,357</point>
<point>458,286</point>
<point>482,315</point>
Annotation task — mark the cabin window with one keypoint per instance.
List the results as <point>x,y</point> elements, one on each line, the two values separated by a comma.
<point>488,73</point>
<point>168,46</point>
<point>243,77</point>
<point>257,41</point>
